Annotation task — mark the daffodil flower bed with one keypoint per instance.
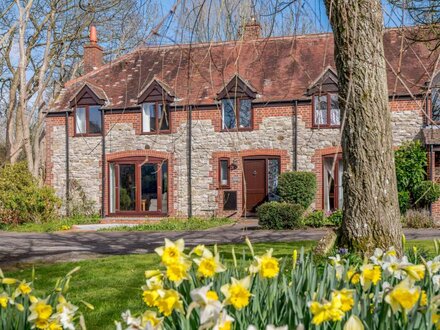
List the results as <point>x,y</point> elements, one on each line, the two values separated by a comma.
<point>196,290</point>
<point>20,309</point>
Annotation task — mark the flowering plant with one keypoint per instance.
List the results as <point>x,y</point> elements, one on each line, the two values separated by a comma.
<point>196,290</point>
<point>21,309</point>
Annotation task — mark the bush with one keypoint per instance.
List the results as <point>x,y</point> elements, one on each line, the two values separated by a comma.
<point>404,201</point>
<point>275,215</point>
<point>410,161</point>
<point>22,199</point>
<point>315,219</point>
<point>297,188</point>
<point>335,218</point>
<point>418,219</point>
<point>425,193</point>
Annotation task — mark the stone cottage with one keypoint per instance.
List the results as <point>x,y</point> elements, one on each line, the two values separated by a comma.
<point>205,129</point>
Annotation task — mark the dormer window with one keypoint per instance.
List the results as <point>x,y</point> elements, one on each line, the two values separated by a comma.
<point>236,113</point>
<point>155,117</point>
<point>155,101</point>
<point>236,104</point>
<point>326,110</point>
<point>88,120</point>
<point>87,103</point>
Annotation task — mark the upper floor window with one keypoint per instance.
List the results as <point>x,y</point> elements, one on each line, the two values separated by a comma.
<point>236,114</point>
<point>88,120</point>
<point>326,110</point>
<point>155,117</point>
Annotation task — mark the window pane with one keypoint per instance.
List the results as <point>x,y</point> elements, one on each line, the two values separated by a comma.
<point>436,104</point>
<point>228,114</point>
<point>245,113</point>
<point>95,123</point>
<point>165,187</point>
<point>321,110</point>
<point>146,117</point>
<point>127,188</point>
<point>273,172</point>
<point>80,119</point>
<point>335,117</point>
<point>224,173</point>
<point>149,187</point>
<point>164,116</point>
<point>112,188</point>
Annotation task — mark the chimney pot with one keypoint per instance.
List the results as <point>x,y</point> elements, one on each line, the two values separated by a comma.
<point>252,29</point>
<point>93,37</point>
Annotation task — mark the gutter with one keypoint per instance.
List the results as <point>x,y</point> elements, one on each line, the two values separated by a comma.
<point>189,143</point>
<point>67,167</point>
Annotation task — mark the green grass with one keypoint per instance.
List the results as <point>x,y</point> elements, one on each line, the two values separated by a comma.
<point>51,226</point>
<point>176,224</point>
<point>113,284</point>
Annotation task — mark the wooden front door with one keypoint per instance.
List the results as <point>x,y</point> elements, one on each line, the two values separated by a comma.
<point>255,184</point>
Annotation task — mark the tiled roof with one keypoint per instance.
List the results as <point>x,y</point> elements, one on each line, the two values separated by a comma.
<point>279,68</point>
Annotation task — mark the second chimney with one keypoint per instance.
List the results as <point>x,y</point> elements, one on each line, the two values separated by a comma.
<point>92,52</point>
<point>251,30</point>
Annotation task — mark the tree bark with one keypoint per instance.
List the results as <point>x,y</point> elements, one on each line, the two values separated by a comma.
<point>371,211</point>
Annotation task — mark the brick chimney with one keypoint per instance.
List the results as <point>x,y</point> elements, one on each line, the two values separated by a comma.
<point>251,30</point>
<point>92,52</point>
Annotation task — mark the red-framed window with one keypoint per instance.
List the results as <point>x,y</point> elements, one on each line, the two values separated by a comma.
<point>326,111</point>
<point>88,120</point>
<point>237,114</point>
<point>155,118</point>
<point>224,173</point>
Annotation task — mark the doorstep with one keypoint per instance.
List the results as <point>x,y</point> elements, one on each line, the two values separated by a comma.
<point>99,226</point>
<point>130,220</point>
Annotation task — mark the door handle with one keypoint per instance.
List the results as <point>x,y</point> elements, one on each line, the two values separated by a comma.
<point>254,173</point>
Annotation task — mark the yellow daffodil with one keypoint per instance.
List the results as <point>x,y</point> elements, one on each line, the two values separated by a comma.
<point>224,322</point>
<point>198,250</point>
<point>237,293</point>
<point>209,264</point>
<point>354,323</point>
<point>328,311</point>
<point>353,276</point>
<point>40,314</point>
<point>24,288</point>
<point>370,274</point>
<point>19,307</point>
<point>171,252</point>
<point>169,301</point>
<point>423,298</point>
<point>178,271</point>
<point>4,299</point>
<point>415,272</point>
<point>152,273</point>
<point>266,265</point>
<point>8,281</point>
<point>346,297</point>
<point>151,318</point>
<point>295,258</point>
<point>208,302</point>
<point>150,297</point>
<point>54,326</point>
<point>403,297</point>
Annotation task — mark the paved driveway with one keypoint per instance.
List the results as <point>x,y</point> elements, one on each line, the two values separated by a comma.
<point>32,247</point>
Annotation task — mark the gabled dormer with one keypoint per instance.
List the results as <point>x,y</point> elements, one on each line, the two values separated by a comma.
<point>155,99</point>
<point>236,98</point>
<point>325,102</point>
<point>86,105</point>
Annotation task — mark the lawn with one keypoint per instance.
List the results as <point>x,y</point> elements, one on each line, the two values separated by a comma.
<point>52,225</point>
<point>113,284</point>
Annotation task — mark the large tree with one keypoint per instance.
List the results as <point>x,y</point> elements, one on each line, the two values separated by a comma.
<point>371,212</point>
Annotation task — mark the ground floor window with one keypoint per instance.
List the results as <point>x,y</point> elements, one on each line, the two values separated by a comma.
<point>332,182</point>
<point>136,186</point>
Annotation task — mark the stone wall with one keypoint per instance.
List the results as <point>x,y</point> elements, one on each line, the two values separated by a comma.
<point>272,135</point>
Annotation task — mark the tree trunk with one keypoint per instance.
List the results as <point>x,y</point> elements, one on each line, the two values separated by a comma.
<point>371,211</point>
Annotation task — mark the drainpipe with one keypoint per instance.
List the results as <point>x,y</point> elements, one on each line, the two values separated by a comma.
<point>431,170</point>
<point>103,159</point>
<point>189,143</point>
<point>67,167</point>
<point>295,138</point>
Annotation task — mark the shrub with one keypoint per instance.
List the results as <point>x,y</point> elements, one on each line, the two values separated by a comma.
<point>404,201</point>
<point>297,188</point>
<point>275,215</point>
<point>22,199</point>
<point>410,161</point>
<point>418,219</point>
<point>426,193</point>
<point>315,219</point>
<point>335,218</point>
